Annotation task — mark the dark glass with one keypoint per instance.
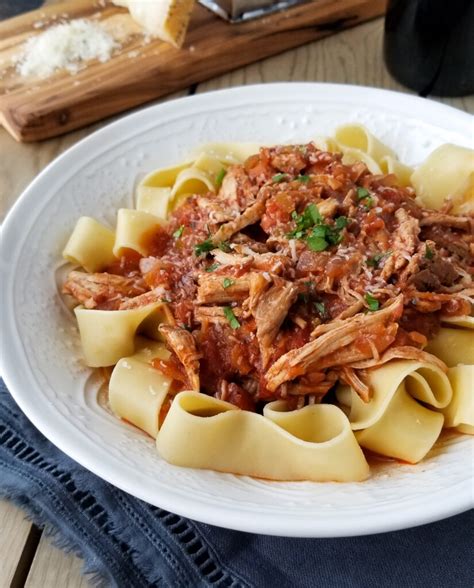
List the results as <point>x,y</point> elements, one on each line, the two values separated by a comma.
<point>429,45</point>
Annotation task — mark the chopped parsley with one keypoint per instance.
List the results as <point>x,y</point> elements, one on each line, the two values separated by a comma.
<point>230,316</point>
<point>212,267</point>
<point>304,179</point>
<point>341,222</point>
<point>317,243</point>
<point>362,193</point>
<point>227,282</point>
<point>369,202</point>
<point>224,246</point>
<point>322,235</point>
<point>374,260</point>
<point>220,176</point>
<point>372,302</point>
<point>204,246</point>
<point>319,231</point>
<point>429,253</point>
<point>309,217</point>
<point>321,308</point>
<point>314,213</point>
<point>277,178</point>
<point>179,231</point>
<point>165,300</point>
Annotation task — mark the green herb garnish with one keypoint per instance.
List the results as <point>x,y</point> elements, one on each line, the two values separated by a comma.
<point>304,179</point>
<point>165,300</point>
<point>224,246</point>
<point>375,260</point>
<point>277,178</point>
<point>317,243</point>
<point>304,221</point>
<point>212,267</point>
<point>313,212</point>
<point>227,282</point>
<point>319,231</point>
<point>429,253</point>
<point>321,308</point>
<point>372,302</point>
<point>204,246</point>
<point>220,176</point>
<point>341,222</point>
<point>369,202</point>
<point>230,316</point>
<point>322,234</point>
<point>362,193</point>
<point>179,231</point>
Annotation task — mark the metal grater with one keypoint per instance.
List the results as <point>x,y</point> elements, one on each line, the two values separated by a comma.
<point>241,10</point>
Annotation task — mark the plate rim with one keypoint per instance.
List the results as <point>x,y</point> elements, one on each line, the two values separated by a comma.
<point>233,519</point>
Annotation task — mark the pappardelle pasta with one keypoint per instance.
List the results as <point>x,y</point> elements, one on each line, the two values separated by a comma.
<point>279,311</point>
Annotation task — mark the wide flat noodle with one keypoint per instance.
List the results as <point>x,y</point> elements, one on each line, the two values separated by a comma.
<point>447,172</point>
<point>90,245</point>
<point>326,144</point>
<point>393,423</point>
<point>406,430</point>
<point>423,381</point>
<point>453,346</point>
<point>390,165</point>
<point>133,226</point>
<point>109,335</point>
<point>137,391</point>
<point>460,411</point>
<point>355,136</point>
<point>465,322</point>
<point>313,443</point>
<point>153,200</point>
<point>209,164</point>
<point>351,156</point>
<point>192,181</point>
<point>357,143</point>
<point>161,316</point>
<point>164,177</point>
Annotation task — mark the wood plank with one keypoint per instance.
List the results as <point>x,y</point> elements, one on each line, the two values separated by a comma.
<point>14,530</point>
<point>53,567</point>
<point>37,109</point>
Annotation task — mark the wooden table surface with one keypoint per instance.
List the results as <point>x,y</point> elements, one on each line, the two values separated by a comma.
<point>27,556</point>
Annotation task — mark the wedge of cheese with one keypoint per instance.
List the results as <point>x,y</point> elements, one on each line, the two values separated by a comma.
<point>166,19</point>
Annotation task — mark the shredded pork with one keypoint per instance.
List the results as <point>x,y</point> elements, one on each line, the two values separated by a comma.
<point>299,273</point>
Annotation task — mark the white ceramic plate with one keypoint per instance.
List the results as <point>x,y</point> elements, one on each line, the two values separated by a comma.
<point>42,359</point>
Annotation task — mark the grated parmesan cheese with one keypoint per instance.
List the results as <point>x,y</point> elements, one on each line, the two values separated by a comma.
<point>65,46</point>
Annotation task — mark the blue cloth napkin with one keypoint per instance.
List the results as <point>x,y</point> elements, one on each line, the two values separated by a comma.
<point>128,543</point>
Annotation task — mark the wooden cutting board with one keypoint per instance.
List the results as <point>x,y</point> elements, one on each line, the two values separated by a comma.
<point>143,69</point>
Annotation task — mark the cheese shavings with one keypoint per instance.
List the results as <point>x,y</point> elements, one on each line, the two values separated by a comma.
<point>65,46</point>
<point>166,19</point>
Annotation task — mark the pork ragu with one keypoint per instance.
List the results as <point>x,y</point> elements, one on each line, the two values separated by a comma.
<point>299,273</point>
